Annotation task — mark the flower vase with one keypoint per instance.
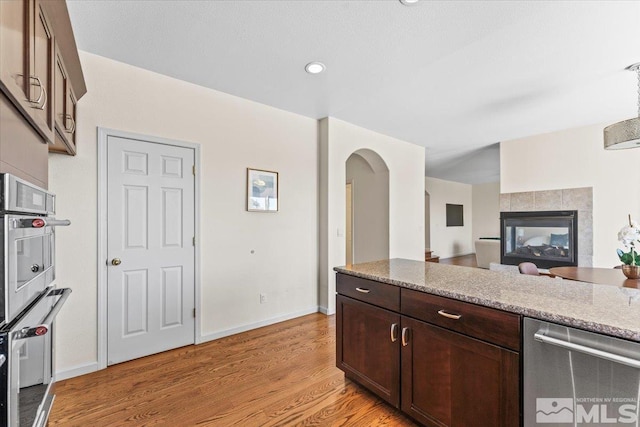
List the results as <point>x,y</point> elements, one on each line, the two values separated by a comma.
<point>631,271</point>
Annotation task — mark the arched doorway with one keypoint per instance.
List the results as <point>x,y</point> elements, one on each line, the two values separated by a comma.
<point>367,207</point>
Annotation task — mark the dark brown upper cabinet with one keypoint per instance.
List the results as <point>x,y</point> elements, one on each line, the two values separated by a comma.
<point>40,70</point>
<point>26,64</point>
<point>64,110</point>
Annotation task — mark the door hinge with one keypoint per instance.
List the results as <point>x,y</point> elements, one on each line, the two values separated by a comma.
<point>194,241</point>
<point>194,313</point>
<point>193,169</point>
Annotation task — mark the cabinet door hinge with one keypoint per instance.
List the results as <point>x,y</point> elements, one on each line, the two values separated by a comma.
<point>194,241</point>
<point>194,313</point>
<point>193,169</point>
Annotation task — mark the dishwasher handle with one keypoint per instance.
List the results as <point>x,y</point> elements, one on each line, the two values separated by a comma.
<point>628,361</point>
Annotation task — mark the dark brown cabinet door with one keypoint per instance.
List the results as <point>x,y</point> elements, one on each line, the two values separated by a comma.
<point>42,71</point>
<point>14,42</point>
<point>26,62</point>
<point>64,111</point>
<point>70,120</point>
<point>368,348</point>
<point>60,91</point>
<point>449,379</point>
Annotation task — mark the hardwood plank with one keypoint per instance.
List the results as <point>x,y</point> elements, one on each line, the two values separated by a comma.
<point>279,375</point>
<point>464,260</point>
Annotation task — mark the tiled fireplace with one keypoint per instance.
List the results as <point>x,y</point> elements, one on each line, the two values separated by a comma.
<point>571,199</point>
<point>546,238</point>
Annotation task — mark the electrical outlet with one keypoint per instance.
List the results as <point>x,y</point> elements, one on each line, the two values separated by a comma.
<point>263,298</point>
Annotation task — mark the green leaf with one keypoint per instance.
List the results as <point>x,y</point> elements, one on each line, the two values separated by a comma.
<point>626,258</point>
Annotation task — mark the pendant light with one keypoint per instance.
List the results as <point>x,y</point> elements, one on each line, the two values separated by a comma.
<point>625,134</point>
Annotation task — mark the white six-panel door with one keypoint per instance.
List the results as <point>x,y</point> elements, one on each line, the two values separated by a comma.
<point>150,232</point>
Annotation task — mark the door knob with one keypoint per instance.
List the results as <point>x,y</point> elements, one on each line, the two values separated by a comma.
<point>116,261</point>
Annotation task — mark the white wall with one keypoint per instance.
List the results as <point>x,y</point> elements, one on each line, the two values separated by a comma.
<point>370,193</point>
<point>449,241</point>
<point>405,161</point>
<point>234,134</point>
<point>575,158</point>
<point>485,200</point>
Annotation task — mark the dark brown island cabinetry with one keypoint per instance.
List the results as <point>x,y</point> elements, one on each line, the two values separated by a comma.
<point>41,81</point>
<point>441,361</point>
<point>368,350</point>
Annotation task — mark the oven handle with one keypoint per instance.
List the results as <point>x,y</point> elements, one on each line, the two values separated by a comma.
<point>45,326</point>
<point>634,363</point>
<point>44,414</point>
<point>56,222</point>
<point>64,292</point>
<point>42,222</point>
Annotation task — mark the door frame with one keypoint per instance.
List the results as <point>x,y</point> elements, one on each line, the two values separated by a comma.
<point>103,134</point>
<point>353,223</point>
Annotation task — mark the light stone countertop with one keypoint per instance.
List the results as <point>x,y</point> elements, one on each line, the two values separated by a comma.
<point>610,310</point>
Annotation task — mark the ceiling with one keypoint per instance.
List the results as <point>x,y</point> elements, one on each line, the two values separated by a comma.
<point>456,77</point>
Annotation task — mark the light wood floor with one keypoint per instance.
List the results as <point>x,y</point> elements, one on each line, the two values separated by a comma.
<point>280,375</point>
<point>465,260</point>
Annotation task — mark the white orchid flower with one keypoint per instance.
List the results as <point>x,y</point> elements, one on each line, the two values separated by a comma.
<point>629,234</point>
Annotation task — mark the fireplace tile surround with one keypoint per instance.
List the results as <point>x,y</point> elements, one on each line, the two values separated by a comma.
<point>580,199</point>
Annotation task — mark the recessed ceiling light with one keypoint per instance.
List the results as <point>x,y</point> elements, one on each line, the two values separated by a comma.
<point>409,2</point>
<point>314,67</point>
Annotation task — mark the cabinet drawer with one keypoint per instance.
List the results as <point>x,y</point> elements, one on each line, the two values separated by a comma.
<point>488,324</point>
<point>376,293</point>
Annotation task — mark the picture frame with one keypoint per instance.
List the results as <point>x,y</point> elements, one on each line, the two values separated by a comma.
<point>262,190</point>
<point>455,215</point>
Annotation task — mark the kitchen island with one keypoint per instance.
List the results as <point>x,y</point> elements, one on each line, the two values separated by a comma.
<point>604,309</point>
<point>444,343</point>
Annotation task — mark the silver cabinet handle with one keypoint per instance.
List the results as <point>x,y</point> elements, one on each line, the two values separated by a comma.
<point>72,128</point>
<point>363,290</point>
<point>405,337</point>
<point>44,103</point>
<point>623,360</point>
<point>449,315</point>
<point>394,332</point>
<point>37,101</point>
<point>2,359</point>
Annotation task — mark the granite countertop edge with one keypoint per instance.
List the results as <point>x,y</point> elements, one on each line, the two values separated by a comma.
<point>587,325</point>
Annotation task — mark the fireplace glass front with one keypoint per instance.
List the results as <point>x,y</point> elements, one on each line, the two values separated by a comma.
<point>548,239</point>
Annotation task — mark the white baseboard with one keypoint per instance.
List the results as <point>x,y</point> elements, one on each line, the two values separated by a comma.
<point>325,311</point>
<point>77,371</point>
<point>256,325</point>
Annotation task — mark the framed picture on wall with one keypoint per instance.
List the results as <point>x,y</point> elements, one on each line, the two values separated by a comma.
<point>455,215</point>
<point>262,190</point>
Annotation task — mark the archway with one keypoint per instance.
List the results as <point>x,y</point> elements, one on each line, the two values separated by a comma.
<point>367,213</point>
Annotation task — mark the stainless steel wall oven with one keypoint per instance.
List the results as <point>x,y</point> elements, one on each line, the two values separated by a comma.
<point>29,302</point>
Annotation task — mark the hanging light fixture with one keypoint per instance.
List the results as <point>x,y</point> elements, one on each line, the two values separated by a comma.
<point>625,134</point>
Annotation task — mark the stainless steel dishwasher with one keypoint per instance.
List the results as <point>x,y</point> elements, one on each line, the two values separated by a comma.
<point>578,378</point>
